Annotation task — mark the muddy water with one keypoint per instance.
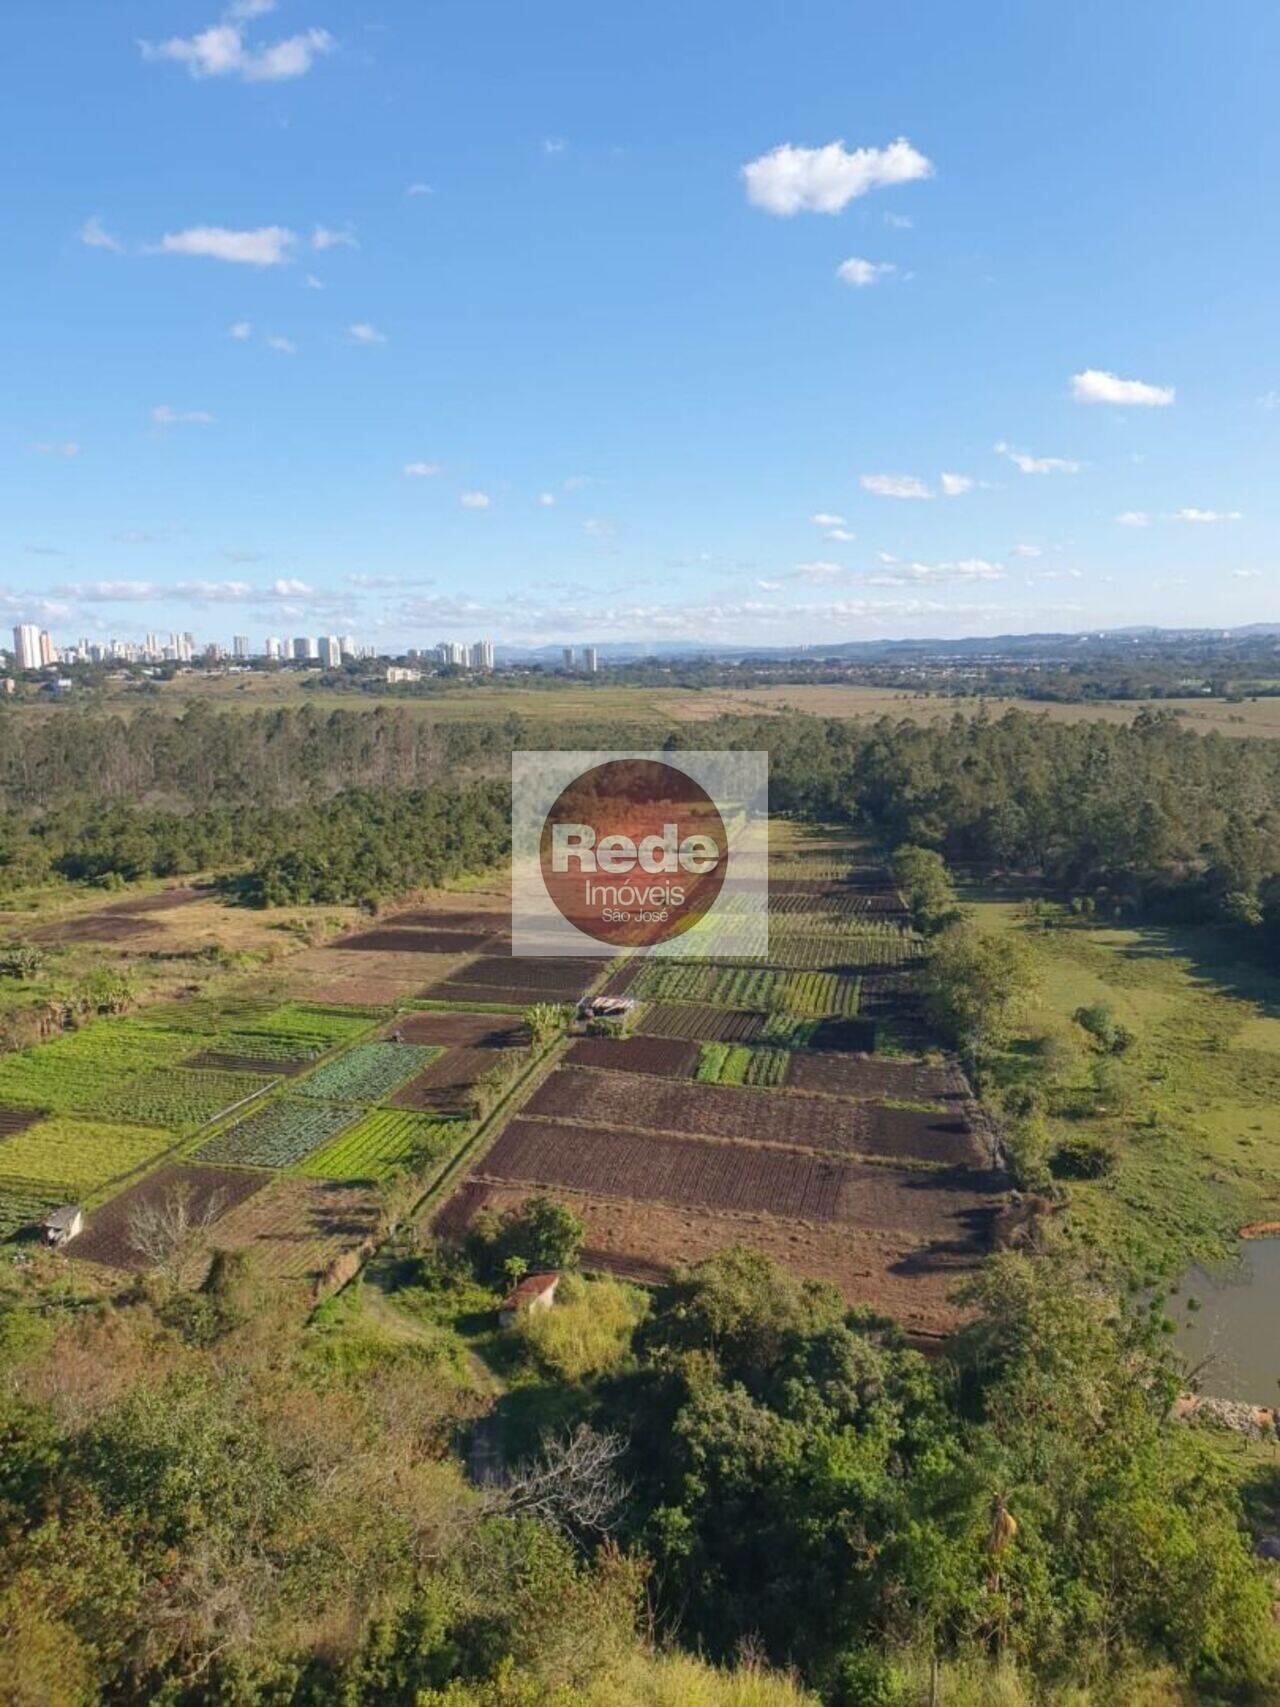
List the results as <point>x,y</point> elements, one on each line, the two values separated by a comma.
<point>1238,1323</point>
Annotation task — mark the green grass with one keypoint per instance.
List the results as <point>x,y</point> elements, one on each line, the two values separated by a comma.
<point>366,1073</point>
<point>1196,1124</point>
<point>384,1143</point>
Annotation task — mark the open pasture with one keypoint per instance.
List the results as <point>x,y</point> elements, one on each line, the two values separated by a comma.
<point>366,1073</point>
<point>277,1135</point>
<point>209,1191</point>
<point>356,977</point>
<point>384,1143</point>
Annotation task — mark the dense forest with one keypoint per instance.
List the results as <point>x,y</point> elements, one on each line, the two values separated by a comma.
<point>347,806</point>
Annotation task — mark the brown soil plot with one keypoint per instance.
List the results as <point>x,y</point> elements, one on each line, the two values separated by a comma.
<point>445,1085</point>
<point>699,1024</point>
<point>873,1076</point>
<point>414,942</point>
<point>667,1057</point>
<point>560,979</point>
<point>295,1228</point>
<point>468,1031</point>
<point>106,1237</point>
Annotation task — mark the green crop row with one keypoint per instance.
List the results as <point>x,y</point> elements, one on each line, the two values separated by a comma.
<point>367,1073</point>
<point>23,1202</point>
<point>277,1135</point>
<point>181,1098</point>
<point>738,1064</point>
<point>74,1157</point>
<point>384,1143</point>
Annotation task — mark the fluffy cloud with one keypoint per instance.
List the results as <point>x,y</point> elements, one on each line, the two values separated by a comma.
<point>1028,464</point>
<point>958,569</point>
<point>240,329</point>
<point>547,500</point>
<point>66,448</point>
<point>222,51</point>
<point>826,519</point>
<point>793,180</point>
<point>421,470</point>
<point>895,486</point>
<point>164,416</point>
<point>843,535</point>
<point>955,485</point>
<point>285,346</point>
<point>819,572</point>
<point>1134,519</point>
<point>1026,551</point>
<point>419,190</point>
<point>475,500</point>
<point>1207,516</point>
<point>267,246</point>
<point>324,238</point>
<point>363,333</point>
<point>1096,386</point>
<point>856,271</point>
<point>94,235</point>
<point>288,587</point>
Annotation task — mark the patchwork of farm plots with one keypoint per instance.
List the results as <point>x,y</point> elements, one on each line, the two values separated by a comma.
<point>747,1105</point>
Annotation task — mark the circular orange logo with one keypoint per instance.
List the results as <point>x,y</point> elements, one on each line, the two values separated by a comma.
<point>633,852</point>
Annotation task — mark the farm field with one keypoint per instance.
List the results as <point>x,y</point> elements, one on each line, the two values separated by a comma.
<point>383,1143</point>
<point>71,1158</point>
<point>687,1020</point>
<point>881,1268</point>
<point>446,1085</point>
<point>294,1229</point>
<point>462,1030</point>
<point>366,1073</point>
<point>277,1135</point>
<point>669,1058</point>
<point>107,1239</point>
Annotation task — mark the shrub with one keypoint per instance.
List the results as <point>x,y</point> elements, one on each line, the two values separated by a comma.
<point>1083,1156</point>
<point>588,1332</point>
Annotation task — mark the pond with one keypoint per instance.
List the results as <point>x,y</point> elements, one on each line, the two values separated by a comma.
<point>1237,1324</point>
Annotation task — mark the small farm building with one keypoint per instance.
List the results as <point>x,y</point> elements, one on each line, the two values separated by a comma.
<point>535,1292</point>
<point>63,1224</point>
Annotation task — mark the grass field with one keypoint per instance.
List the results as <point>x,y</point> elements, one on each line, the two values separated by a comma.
<point>1194,1118</point>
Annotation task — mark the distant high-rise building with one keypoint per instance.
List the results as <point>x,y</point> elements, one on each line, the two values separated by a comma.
<point>482,655</point>
<point>240,645</point>
<point>305,647</point>
<point>275,646</point>
<point>590,660</point>
<point>452,652</point>
<point>26,646</point>
<point>213,652</point>
<point>567,656</point>
<point>347,646</point>
<point>330,651</point>
<point>48,653</point>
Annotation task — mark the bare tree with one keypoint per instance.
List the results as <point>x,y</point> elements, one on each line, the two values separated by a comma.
<point>573,1483</point>
<point>165,1232</point>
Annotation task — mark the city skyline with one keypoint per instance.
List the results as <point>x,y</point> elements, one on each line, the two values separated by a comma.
<point>832,351</point>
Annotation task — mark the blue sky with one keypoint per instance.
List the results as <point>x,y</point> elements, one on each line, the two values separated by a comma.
<point>432,320</point>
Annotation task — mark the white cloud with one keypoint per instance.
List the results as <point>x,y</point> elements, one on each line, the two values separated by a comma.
<point>250,8</point>
<point>164,416</point>
<point>1096,386</point>
<point>288,587</point>
<point>826,519</point>
<point>363,333</point>
<point>959,569</point>
<point>554,145</point>
<point>1247,574</point>
<point>419,190</point>
<point>956,485</point>
<point>819,571</point>
<point>899,221</point>
<point>1029,464</point>
<point>856,271</point>
<point>598,527</point>
<point>107,592</point>
<point>312,282</point>
<point>67,448</point>
<point>240,329</point>
<point>94,235</point>
<point>285,346</point>
<point>221,51</point>
<point>421,470</point>
<point>267,246</point>
<point>842,534</point>
<point>793,180</point>
<point>325,238</point>
<point>1027,551</point>
<point>1207,516</point>
<point>895,486</point>
<point>475,500</point>
<point>547,500</point>
<point>1134,519</point>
